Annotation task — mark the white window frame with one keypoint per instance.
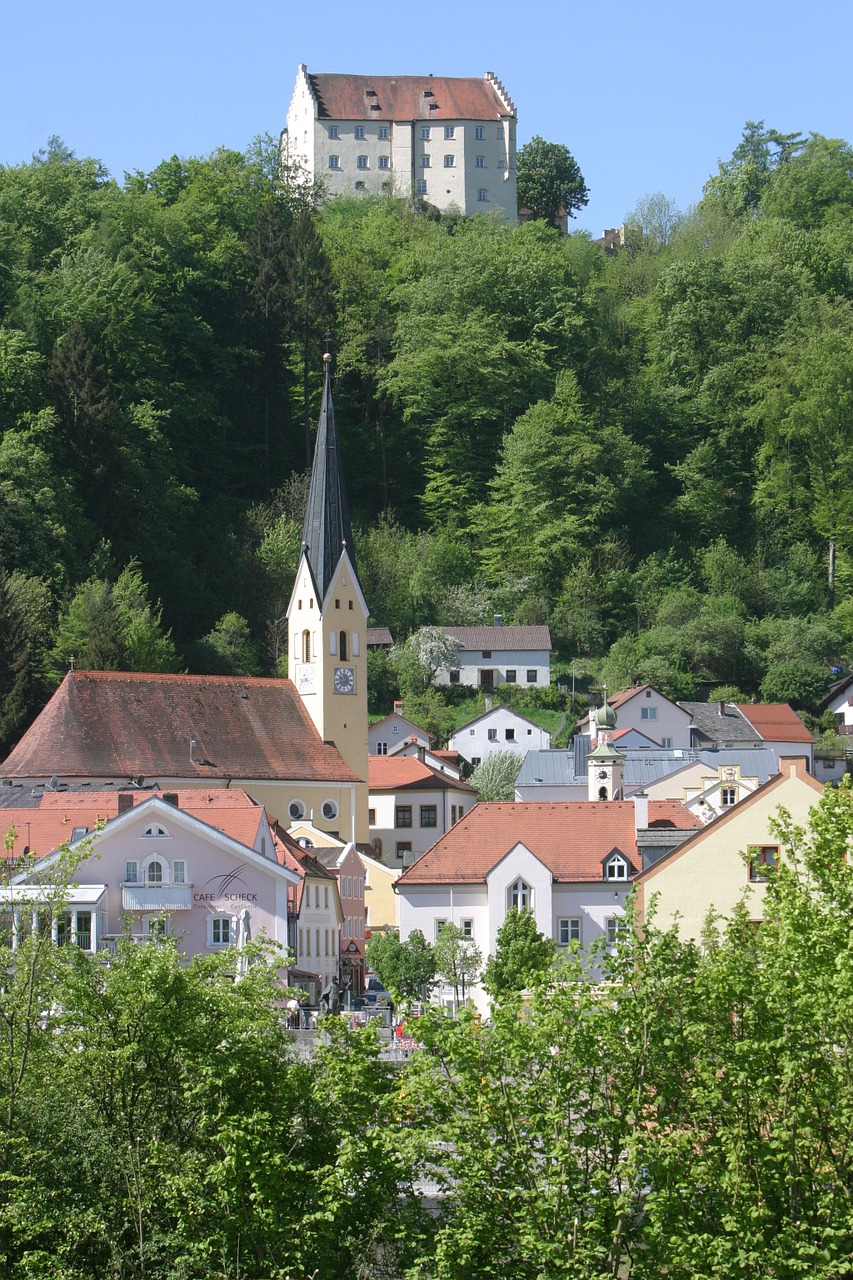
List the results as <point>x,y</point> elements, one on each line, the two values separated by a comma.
<point>616,868</point>
<point>384,133</point>
<point>362,163</point>
<point>421,187</point>
<point>425,133</point>
<point>332,131</point>
<point>728,797</point>
<point>479,162</point>
<point>648,713</point>
<point>449,132</point>
<point>217,936</point>
<point>384,162</point>
<point>425,162</point>
<point>450,162</point>
<point>358,132</point>
<point>479,132</point>
<point>568,930</point>
<point>612,926</point>
<point>330,809</point>
<point>520,895</point>
<point>335,162</point>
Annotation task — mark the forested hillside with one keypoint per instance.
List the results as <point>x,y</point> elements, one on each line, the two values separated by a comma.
<point>652,450</point>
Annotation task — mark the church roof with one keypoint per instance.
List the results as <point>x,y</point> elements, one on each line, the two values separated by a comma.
<point>106,724</point>
<point>327,530</point>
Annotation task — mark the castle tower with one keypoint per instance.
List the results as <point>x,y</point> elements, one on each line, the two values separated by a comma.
<point>327,614</point>
<point>605,764</point>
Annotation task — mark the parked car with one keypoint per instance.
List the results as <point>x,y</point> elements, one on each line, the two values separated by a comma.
<point>375,993</point>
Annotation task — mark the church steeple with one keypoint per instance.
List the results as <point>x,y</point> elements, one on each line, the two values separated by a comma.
<point>327,624</point>
<point>327,532</point>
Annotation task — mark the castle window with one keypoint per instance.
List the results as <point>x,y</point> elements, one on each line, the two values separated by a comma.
<point>479,132</point>
<point>333,131</point>
<point>361,162</point>
<point>334,162</point>
<point>425,133</point>
<point>480,162</point>
<point>449,162</point>
<point>359,131</point>
<point>384,133</point>
<point>449,131</point>
<point>384,162</point>
<point>424,162</point>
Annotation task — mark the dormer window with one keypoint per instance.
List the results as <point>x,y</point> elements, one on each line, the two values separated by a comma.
<point>616,868</point>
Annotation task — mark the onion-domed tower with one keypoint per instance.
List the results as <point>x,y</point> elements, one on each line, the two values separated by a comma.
<point>605,764</point>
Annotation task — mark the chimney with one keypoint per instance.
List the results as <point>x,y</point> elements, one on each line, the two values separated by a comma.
<point>398,708</point>
<point>171,797</point>
<point>422,753</point>
<point>125,801</point>
<point>641,811</point>
<point>499,619</point>
<point>721,708</point>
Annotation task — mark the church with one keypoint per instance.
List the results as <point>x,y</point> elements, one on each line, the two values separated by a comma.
<point>297,746</point>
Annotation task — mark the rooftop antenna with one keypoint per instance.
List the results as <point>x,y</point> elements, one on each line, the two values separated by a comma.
<point>71,663</point>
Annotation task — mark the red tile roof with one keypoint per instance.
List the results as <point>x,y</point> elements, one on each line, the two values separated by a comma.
<point>407,773</point>
<point>116,724</point>
<point>570,837</point>
<point>41,829</point>
<point>349,97</point>
<point>775,721</point>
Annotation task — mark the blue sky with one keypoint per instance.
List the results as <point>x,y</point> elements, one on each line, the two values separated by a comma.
<point>647,96</point>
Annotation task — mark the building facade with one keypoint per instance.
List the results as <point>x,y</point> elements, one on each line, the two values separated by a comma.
<point>450,141</point>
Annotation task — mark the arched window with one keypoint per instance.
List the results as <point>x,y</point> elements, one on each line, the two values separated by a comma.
<point>154,873</point>
<point>155,830</point>
<point>306,646</point>
<point>344,650</point>
<point>602,793</point>
<point>520,895</point>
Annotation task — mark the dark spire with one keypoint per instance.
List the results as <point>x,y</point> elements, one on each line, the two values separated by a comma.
<point>327,528</point>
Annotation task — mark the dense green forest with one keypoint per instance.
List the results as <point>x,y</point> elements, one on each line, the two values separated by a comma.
<point>651,450</point>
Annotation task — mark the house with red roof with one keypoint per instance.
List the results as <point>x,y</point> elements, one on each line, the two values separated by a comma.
<point>571,863</point>
<point>750,724</point>
<point>649,712</point>
<point>201,864</point>
<point>411,805</point>
<point>448,139</point>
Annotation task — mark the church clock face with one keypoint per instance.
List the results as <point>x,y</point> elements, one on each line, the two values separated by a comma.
<point>602,773</point>
<point>344,680</point>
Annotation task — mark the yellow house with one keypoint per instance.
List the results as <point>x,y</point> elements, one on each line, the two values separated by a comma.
<point>380,900</point>
<point>708,872</point>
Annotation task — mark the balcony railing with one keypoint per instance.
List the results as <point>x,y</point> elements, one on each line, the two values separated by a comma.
<point>156,897</point>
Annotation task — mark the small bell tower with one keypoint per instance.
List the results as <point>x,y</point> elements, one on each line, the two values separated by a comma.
<point>605,764</point>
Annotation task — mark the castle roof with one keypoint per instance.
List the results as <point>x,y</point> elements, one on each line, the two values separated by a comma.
<point>353,97</point>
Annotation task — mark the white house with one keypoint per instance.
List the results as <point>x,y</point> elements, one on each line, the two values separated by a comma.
<point>411,805</point>
<point>572,865</point>
<point>450,140</point>
<point>489,656</point>
<point>650,712</point>
<point>499,729</point>
<point>202,865</point>
<point>386,734</point>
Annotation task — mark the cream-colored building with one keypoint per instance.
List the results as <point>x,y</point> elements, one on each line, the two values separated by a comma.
<point>449,140</point>
<point>380,900</point>
<point>710,872</point>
